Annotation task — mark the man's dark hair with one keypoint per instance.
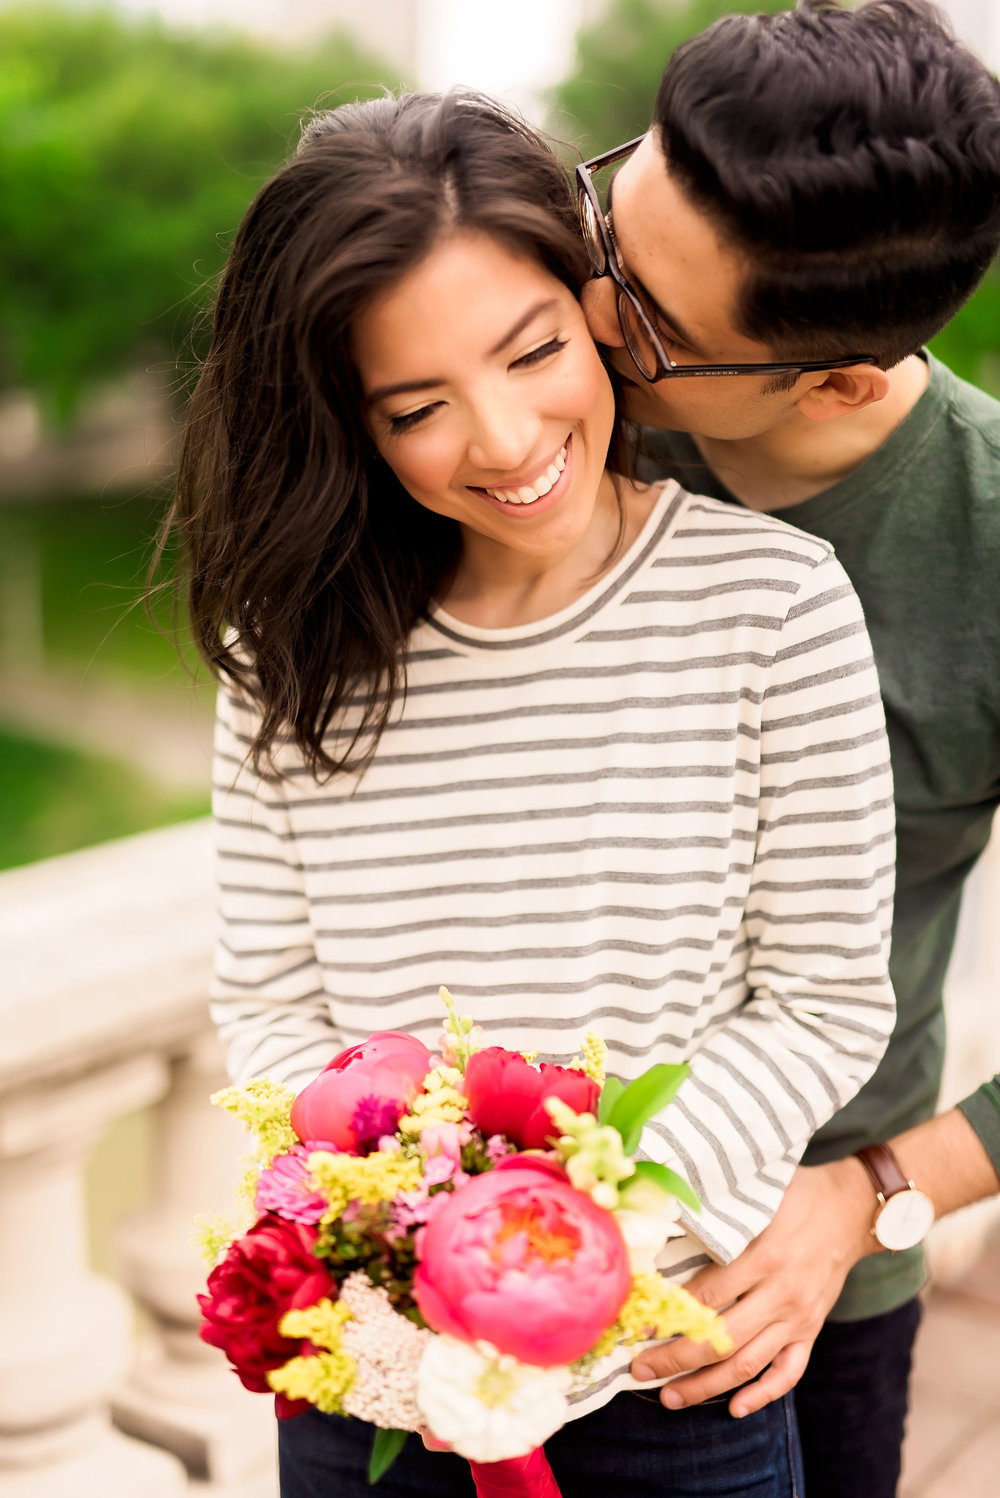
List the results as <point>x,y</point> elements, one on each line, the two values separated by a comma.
<point>853,158</point>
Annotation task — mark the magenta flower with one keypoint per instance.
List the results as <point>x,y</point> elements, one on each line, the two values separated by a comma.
<point>521,1259</point>
<point>361,1094</point>
<point>286,1188</point>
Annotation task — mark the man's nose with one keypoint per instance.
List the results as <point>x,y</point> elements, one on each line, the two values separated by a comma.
<point>600,307</point>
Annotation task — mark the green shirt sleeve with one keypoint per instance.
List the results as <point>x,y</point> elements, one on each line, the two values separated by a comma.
<point>982,1110</point>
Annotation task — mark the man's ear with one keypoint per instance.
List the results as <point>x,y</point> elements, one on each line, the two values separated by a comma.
<point>844,392</point>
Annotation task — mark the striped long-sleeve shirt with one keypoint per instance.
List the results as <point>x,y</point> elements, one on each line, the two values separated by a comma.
<point>664,813</point>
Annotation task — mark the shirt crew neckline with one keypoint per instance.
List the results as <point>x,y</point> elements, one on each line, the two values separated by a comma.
<point>581,613</point>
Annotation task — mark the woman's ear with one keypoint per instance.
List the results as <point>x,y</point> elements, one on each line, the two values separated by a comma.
<point>844,392</point>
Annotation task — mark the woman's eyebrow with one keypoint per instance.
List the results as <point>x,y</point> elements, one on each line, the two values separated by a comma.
<point>405,387</point>
<point>381,392</point>
<point>524,322</point>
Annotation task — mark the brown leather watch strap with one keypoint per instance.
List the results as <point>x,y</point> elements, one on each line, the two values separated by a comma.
<point>884,1169</point>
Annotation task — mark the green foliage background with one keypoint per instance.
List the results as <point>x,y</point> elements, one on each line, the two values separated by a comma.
<point>608,98</point>
<point>129,155</point>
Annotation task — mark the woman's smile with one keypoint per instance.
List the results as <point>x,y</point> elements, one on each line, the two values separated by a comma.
<point>525,494</point>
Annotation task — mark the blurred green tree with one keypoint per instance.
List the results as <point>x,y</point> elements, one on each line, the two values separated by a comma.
<point>129,155</point>
<point>608,98</point>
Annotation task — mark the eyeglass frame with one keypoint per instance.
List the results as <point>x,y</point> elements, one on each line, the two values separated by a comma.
<point>667,368</point>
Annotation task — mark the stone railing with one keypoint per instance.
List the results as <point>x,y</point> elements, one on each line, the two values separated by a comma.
<point>102,1012</point>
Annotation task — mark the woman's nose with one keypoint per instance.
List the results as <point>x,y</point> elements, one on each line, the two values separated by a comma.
<point>600,307</point>
<point>505,435</point>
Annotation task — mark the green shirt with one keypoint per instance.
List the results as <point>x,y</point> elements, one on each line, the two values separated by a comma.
<point>917,528</point>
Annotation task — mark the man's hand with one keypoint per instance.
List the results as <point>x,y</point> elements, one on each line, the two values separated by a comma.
<point>784,1284</point>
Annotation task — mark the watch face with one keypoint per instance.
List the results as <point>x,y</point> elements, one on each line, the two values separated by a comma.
<point>905,1220</point>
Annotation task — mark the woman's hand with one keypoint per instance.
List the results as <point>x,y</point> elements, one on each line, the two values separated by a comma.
<point>783,1285</point>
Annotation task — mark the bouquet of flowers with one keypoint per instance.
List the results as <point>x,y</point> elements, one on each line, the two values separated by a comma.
<point>448,1243</point>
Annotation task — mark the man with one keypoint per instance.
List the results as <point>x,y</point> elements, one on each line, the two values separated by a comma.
<point>819,193</point>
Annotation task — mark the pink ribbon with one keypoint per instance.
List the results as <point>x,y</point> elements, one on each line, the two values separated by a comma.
<point>523,1476</point>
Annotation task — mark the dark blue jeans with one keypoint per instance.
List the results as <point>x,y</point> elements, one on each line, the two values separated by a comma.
<point>851,1405</point>
<point>632,1448</point>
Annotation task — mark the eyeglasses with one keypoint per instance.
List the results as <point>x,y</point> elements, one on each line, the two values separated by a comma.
<point>641,338</point>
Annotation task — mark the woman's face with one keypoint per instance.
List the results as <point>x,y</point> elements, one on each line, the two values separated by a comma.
<point>486,396</point>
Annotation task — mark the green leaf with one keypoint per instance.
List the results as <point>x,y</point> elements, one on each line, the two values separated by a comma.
<point>385,1448</point>
<point>610,1093</point>
<point>669,1180</point>
<point>642,1099</point>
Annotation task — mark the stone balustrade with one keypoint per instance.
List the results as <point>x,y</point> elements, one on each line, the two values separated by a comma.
<point>105,967</point>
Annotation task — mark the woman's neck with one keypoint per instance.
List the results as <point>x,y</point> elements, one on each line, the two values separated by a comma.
<point>496,587</point>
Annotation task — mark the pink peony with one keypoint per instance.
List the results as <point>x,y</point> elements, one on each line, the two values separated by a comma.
<point>506,1095</point>
<point>361,1094</point>
<point>521,1259</point>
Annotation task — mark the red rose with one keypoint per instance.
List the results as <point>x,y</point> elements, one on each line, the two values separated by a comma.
<point>270,1270</point>
<point>506,1095</point>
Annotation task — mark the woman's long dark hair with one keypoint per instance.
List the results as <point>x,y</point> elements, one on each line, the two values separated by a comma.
<point>306,562</point>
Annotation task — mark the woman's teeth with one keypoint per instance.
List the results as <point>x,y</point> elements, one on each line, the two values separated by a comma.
<point>528,493</point>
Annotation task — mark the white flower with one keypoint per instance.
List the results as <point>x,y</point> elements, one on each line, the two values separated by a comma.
<point>485,1404</point>
<point>645,1234</point>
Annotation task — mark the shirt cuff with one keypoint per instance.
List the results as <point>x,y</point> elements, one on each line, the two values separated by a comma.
<point>982,1110</point>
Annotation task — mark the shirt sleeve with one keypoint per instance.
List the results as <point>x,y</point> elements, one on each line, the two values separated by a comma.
<point>982,1110</point>
<point>815,929</point>
<point>268,997</point>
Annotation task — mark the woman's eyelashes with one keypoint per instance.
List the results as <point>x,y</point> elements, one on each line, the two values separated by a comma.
<point>398,424</point>
<point>543,351</point>
<point>407,420</point>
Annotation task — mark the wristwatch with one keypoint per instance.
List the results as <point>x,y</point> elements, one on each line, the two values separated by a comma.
<point>904,1214</point>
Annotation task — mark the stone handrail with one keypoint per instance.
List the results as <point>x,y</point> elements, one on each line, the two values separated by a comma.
<point>106,958</point>
<point>105,966</point>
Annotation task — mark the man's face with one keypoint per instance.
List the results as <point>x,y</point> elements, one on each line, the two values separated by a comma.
<point>688,280</point>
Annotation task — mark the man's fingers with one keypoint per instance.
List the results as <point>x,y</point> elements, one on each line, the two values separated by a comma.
<point>668,1358</point>
<point>720,1284</point>
<point>782,1376</point>
<point>746,1321</point>
<point>720,1378</point>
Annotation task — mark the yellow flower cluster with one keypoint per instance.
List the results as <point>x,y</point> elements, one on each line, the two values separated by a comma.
<point>320,1323</point>
<point>441,1101</point>
<point>323,1377</point>
<point>211,1236</point>
<point>658,1308</point>
<point>363,1178</point>
<point>264,1108</point>
<point>595,1054</point>
<point>591,1063</point>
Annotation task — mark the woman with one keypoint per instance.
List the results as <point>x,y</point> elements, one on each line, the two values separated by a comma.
<point>496,716</point>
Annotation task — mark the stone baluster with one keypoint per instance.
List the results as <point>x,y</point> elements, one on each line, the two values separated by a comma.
<point>65,1333</point>
<point>181,1395</point>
